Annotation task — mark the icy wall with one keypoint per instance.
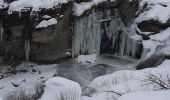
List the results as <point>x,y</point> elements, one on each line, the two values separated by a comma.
<point>103,31</point>
<point>102,27</point>
<point>87,34</point>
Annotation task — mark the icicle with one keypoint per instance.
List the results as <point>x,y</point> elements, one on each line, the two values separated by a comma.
<point>27,38</point>
<point>27,49</point>
<point>1,30</point>
<point>19,14</point>
<point>122,44</point>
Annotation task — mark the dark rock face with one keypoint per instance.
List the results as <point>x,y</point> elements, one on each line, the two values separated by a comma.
<point>127,9</point>
<point>152,26</point>
<point>153,61</point>
<point>49,45</point>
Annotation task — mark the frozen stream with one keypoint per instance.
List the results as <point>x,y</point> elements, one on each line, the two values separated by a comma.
<point>83,74</point>
<point>27,76</point>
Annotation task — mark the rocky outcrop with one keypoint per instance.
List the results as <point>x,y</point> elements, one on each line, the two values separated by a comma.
<point>48,45</point>
<point>153,61</point>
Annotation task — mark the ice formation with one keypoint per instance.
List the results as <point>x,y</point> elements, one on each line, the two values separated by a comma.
<point>59,88</point>
<point>88,33</point>
<point>27,38</point>
<point>27,49</point>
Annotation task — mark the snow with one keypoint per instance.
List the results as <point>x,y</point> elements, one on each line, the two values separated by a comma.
<point>59,88</point>
<point>86,59</point>
<point>3,4</point>
<point>162,36</point>
<point>46,16</point>
<point>27,80</point>
<point>157,40</point>
<point>152,95</point>
<point>156,10</point>
<point>79,9</point>
<point>155,1</point>
<point>36,5</point>
<point>128,81</point>
<point>47,23</point>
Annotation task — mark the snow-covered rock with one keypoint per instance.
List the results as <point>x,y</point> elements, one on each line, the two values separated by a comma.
<point>156,10</point>
<point>123,82</point>
<point>3,4</point>
<point>35,5</point>
<point>47,23</point>
<point>59,88</point>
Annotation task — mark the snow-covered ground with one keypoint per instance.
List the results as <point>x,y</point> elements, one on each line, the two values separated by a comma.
<point>121,85</point>
<point>27,76</point>
<point>151,95</point>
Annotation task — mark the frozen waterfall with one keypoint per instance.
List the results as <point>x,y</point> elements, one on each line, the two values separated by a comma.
<point>87,34</point>
<point>89,30</point>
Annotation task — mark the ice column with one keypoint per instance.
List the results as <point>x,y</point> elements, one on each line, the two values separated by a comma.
<point>87,34</point>
<point>27,39</point>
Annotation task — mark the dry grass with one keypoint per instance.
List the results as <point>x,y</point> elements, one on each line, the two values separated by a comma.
<point>158,81</point>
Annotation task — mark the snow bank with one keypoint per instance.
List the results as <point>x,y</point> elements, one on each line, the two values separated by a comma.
<point>155,1</point>
<point>128,81</point>
<point>162,36</point>
<point>3,4</point>
<point>156,41</point>
<point>156,10</point>
<point>58,88</point>
<point>36,5</point>
<point>86,59</point>
<point>47,23</point>
<point>25,80</point>
<point>154,95</point>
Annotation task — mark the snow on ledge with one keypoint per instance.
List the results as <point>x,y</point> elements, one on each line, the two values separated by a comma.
<point>36,5</point>
<point>44,23</point>
<point>79,9</point>
<point>86,59</point>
